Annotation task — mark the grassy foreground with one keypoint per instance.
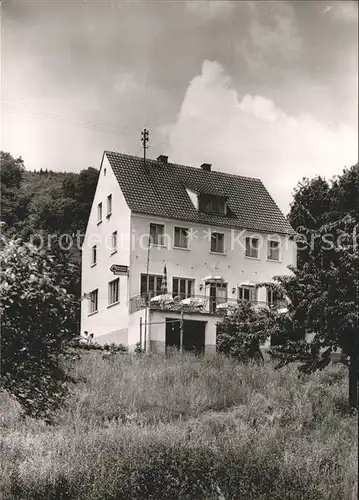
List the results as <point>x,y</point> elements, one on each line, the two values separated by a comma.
<point>150,427</point>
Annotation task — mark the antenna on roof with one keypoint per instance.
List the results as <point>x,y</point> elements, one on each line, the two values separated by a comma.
<point>144,139</point>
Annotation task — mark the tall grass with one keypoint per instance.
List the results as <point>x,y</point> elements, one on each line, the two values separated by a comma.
<point>145,427</point>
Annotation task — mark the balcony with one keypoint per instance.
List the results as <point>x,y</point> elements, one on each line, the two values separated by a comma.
<point>194,304</point>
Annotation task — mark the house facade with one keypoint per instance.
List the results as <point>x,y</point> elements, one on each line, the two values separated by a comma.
<point>186,242</point>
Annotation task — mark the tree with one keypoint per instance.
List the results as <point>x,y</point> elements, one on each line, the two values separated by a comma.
<point>37,325</point>
<point>243,329</point>
<point>317,202</point>
<point>345,194</point>
<point>86,187</point>
<point>324,295</point>
<point>12,172</point>
<point>311,203</point>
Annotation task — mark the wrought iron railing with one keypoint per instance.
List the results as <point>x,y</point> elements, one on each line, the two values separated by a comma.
<point>195,303</point>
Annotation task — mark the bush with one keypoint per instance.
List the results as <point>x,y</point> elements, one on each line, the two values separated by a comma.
<point>94,346</point>
<point>243,330</point>
<point>37,320</point>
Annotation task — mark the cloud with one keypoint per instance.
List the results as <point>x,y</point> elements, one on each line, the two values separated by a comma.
<point>210,9</point>
<point>345,11</point>
<point>272,36</point>
<point>254,137</point>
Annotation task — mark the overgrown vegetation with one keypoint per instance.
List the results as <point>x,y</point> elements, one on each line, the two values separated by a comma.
<point>37,322</point>
<point>48,209</point>
<point>325,302</point>
<point>182,427</point>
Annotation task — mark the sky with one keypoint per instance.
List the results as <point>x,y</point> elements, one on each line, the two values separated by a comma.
<point>265,89</point>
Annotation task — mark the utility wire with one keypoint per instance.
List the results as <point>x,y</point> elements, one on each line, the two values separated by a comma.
<point>77,120</point>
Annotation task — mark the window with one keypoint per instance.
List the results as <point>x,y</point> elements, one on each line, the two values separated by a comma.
<point>93,301</point>
<point>217,242</point>
<point>94,255</point>
<point>104,171</point>
<point>181,237</point>
<point>212,204</point>
<point>113,288</point>
<point>216,293</point>
<point>252,247</point>
<point>272,297</point>
<point>99,212</point>
<point>151,283</point>
<point>247,292</point>
<point>114,242</point>
<point>273,250</point>
<point>182,287</point>
<point>157,234</point>
<point>109,205</point>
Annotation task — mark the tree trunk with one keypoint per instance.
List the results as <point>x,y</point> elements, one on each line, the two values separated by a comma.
<point>353,376</point>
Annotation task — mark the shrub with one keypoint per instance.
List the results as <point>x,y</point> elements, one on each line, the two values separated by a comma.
<point>37,318</point>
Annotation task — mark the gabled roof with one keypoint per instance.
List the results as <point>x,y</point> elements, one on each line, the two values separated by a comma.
<point>159,189</point>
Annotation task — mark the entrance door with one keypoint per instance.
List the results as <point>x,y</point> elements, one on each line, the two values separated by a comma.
<point>217,294</point>
<point>193,335</point>
<point>172,333</point>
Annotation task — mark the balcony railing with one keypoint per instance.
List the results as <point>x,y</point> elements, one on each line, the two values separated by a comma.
<point>195,303</point>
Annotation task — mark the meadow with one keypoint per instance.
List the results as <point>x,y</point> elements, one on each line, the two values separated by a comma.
<point>181,427</point>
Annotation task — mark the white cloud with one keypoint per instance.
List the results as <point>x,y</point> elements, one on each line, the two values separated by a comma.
<point>346,11</point>
<point>207,10</point>
<point>252,136</point>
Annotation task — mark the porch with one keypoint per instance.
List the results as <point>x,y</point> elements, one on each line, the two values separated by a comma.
<point>200,304</point>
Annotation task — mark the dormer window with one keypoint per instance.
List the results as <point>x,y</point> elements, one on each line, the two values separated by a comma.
<point>211,204</point>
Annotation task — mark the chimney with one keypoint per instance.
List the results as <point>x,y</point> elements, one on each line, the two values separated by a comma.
<point>162,159</point>
<point>206,167</point>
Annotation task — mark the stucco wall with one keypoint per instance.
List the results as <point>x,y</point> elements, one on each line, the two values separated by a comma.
<point>199,262</point>
<point>134,335</point>
<point>108,320</point>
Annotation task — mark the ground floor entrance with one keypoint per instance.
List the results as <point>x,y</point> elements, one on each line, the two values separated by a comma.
<point>193,335</point>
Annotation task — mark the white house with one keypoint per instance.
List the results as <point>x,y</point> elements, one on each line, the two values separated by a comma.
<point>213,237</point>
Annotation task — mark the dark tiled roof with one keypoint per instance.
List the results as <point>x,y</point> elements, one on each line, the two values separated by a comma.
<point>159,189</point>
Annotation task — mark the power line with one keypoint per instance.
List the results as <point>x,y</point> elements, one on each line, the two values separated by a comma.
<point>99,126</point>
<point>77,120</point>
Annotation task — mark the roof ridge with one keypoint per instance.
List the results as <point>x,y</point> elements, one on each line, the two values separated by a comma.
<point>186,166</point>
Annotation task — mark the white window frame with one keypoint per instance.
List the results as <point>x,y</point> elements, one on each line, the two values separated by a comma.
<point>252,254</point>
<point>278,249</point>
<point>94,255</point>
<point>114,292</point>
<point>162,235</point>
<point>109,205</point>
<point>156,278</point>
<point>252,293</point>
<point>186,293</point>
<point>93,301</point>
<point>216,233</point>
<point>114,242</point>
<point>181,228</point>
<point>99,212</point>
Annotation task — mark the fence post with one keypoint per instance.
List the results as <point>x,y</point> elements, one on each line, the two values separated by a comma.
<point>141,332</point>
<point>181,331</point>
